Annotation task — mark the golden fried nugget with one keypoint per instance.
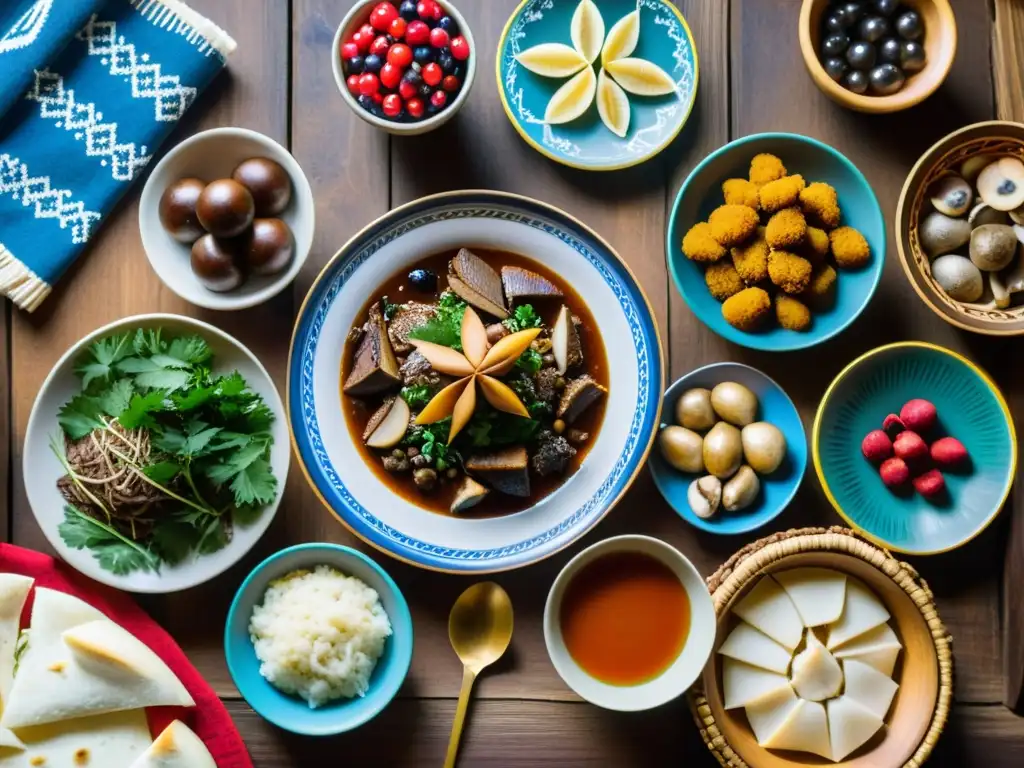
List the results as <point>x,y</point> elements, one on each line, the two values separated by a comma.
<point>816,245</point>
<point>765,168</point>
<point>820,201</point>
<point>723,280</point>
<point>786,229</point>
<point>849,247</point>
<point>751,260</point>
<point>732,224</point>
<point>820,291</point>
<point>782,193</point>
<point>791,314</point>
<point>789,271</point>
<point>747,309</point>
<point>740,192</point>
<point>699,245</point>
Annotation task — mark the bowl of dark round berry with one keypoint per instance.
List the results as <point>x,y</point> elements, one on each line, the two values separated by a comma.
<point>404,66</point>
<point>878,55</point>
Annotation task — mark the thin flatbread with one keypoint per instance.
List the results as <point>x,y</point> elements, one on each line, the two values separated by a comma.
<point>88,668</point>
<point>14,590</point>
<point>114,740</point>
<point>177,747</point>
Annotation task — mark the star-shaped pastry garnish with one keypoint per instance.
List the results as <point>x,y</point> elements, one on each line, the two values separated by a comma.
<point>478,364</point>
<point>618,72</point>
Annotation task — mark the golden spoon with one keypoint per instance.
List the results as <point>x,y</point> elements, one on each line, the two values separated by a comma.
<point>480,628</point>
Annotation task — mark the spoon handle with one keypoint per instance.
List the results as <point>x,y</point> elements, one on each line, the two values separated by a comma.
<point>468,676</point>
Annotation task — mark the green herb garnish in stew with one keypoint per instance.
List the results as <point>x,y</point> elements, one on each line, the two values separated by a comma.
<point>162,457</point>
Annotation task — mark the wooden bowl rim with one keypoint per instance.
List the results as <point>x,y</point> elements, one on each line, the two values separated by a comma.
<point>931,156</point>
<point>875,104</point>
<point>839,540</point>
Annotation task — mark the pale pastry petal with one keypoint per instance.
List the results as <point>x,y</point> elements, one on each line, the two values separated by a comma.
<point>501,396</point>
<point>572,99</point>
<point>641,77</point>
<point>587,30</point>
<point>612,105</point>
<point>622,38</point>
<point>552,60</point>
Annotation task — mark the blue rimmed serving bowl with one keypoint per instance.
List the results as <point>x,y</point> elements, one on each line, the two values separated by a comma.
<point>777,489</point>
<point>334,466</point>
<point>701,193</point>
<point>290,712</point>
<point>971,409</point>
<point>585,143</point>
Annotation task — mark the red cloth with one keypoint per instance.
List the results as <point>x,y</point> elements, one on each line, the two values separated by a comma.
<point>209,719</point>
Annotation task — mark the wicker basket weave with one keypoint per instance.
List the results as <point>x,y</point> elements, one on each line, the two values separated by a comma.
<point>748,564</point>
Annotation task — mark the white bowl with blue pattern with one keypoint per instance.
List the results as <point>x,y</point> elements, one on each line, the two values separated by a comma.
<point>336,469</point>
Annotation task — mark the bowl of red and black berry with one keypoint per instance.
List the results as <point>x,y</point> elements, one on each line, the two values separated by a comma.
<point>404,66</point>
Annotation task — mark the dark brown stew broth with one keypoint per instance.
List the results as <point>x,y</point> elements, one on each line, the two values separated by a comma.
<point>359,410</point>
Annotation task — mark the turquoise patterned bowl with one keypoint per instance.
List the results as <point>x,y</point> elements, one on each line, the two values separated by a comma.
<point>586,143</point>
<point>970,408</point>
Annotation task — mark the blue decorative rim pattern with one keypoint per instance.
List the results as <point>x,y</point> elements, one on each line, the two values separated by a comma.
<point>302,409</point>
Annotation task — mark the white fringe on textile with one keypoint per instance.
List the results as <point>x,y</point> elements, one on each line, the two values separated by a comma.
<point>19,283</point>
<point>178,17</point>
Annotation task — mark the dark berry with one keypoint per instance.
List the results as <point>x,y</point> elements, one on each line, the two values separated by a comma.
<point>373,63</point>
<point>407,10</point>
<point>423,55</point>
<point>459,71</point>
<point>447,62</point>
<point>417,33</point>
<point>423,279</point>
<point>365,102</point>
<point>431,109</point>
<point>432,74</point>
<point>450,83</point>
<point>354,66</point>
<point>426,91</point>
<point>392,105</point>
<point>438,37</point>
<point>413,77</point>
<point>449,25</point>
<point>460,48</point>
<point>414,107</point>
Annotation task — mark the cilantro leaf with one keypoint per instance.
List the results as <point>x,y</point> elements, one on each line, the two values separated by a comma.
<point>80,416</point>
<point>99,361</point>
<point>148,342</point>
<point>445,328</point>
<point>141,410</point>
<point>114,551</point>
<point>523,318</point>
<point>173,540</point>
<point>115,400</point>
<point>530,361</point>
<point>225,471</point>
<point>416,396</point>
<point>163,472</point>
<point>158,372</point>
<point>255,484</point>
<point>192,349</point>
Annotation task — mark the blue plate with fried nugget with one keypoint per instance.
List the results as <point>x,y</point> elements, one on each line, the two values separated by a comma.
<point>701,194</point>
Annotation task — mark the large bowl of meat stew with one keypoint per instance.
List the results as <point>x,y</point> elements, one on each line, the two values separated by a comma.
<point>474,382</point>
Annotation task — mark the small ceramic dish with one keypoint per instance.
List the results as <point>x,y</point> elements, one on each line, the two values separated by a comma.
<point>42,468</point>
<point>948,156</point>
<point>671,683</point>
<point>586,143</point>
<point>211,155</point>
<point>701,193</point>
<point>777,489</point>
<point>291,712</point>
<point>971,409</point>
<point>924,668</point>
<point>939,42</point>
<point>358,15</point>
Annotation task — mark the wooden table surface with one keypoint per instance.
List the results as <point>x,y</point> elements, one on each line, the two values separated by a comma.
<point>752,79</point>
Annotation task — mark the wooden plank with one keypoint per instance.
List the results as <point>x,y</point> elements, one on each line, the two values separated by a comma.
<point>6,435</point>
<point>768,79</point>
<point>535,734</point>
<point>1008,58</point>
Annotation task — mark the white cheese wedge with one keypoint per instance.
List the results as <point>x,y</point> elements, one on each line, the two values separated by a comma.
<point>743,684</point>
<point>746,644</point>
<point>805,729</point>
<point>769,609</point>
<point>862,613</point>
<point>869,687</point>
<point>850,726</point>
<point>816,674</point>
<point>769,712</point>
<point>878,648</point>
<point>818,593</point>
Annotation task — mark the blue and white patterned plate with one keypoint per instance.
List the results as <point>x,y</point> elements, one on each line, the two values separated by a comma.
<point>586,143</point>
<point>334,466</point>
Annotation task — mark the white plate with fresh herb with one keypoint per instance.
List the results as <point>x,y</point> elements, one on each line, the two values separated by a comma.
<point>156,453</point>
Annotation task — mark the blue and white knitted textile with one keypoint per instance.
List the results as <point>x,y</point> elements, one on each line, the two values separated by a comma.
<point>89,89</point>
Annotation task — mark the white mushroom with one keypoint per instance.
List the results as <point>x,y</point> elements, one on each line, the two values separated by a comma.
<point>983,213</point>
<point>941,234</point>
<point>1001,184</point>
<point>951,195</point>
<point>972,166</point>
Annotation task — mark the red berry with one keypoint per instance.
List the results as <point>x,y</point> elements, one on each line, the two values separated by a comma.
<point>930,484</point>
<point>948,452</point>
<point>460,48</point>
<point>437,13</point>
<point>390,76</point>
<point>392,105</point>
<point>414,107</point>
<point>353,84</point>
<point>894,472</point>
<point>876,446</point>
<point>406,90</point>
<point>909,446</point>
<point>450,83</point>
<point>400,55</point>
<point>438,37</point>
<point>368,84</point>
<point>918,415</point>
<point>362,41</point>
<point>432,74</point>
<point>382,15</point>
<point>380,45</point>
<point>378,97</point>
<point>425,9</point>
<point>417,33</point>
<point>368,32</point>
<point>349,49</point>
<point>397,28</point>
<point>438,98</point>
<point>892,425</point>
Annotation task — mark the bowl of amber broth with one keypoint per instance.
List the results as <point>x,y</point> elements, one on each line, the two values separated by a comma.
<point>474,381</point>
<point>227,218</point>
<point>629,623</point>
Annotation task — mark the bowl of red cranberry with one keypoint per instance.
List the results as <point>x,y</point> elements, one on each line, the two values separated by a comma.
<point>404,66</point>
